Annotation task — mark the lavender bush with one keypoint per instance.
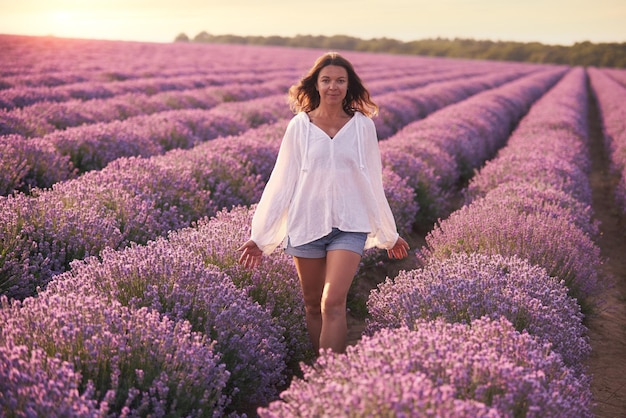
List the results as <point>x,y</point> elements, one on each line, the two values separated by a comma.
<point>28,163</point>
<point>421,178</point>
<point>439,369</point>
<point>465,287</point>
<point>274,284</point>
<point>564,250</point>
<point>33,384</point>
<point>256,148</point>
<point>227,179</point>
<point>44,117</point>
<point>481,124</point>
<point>132,362</point>
<point>40,237</point>
<point>549,146</point>
<point>398,109</point>
<point>534,167</point>
<point>539,197</point>
<point>406,210</point>
<point>444,165</point>
<point>402,201</point>
<point>174,282</point>
<point>375,393</point>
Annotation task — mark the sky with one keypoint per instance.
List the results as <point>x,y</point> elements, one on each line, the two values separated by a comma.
<point>561,22</point>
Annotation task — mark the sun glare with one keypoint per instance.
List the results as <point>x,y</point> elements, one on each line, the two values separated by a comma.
<point>62,17</point>
<point>78,23</point>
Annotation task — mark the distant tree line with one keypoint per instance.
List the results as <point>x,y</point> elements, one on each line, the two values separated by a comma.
<point>581,53</point>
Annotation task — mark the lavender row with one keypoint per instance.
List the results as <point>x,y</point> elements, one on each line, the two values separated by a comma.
<point>397,109</point>
<point>131,208</point>
<point>611,97</point>
<point>420,339</point>
<point>90,147</point>
<point>515,250</point>
<point>27,96</point>
<point>252,322</point>
<point>616,74</point>
<point>45,117</point>
<point>485,368</point>
<point>43,61</point>
<point>130,200</point>
<point>534,199</point>
<point>437,153</point>
<point>21,96</point>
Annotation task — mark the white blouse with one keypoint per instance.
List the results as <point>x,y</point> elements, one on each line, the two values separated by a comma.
<point>319,183</point>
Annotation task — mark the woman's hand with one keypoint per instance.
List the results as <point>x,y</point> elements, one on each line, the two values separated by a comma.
<point>251,254</point>
<point>399,250</point>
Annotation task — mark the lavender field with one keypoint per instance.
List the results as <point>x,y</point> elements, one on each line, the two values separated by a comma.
<point>129,173</point>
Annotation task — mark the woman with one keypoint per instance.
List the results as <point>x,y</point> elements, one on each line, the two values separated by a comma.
<point>325,197</point>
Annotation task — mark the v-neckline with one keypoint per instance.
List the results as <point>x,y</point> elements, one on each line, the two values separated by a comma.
<point>326,133</point>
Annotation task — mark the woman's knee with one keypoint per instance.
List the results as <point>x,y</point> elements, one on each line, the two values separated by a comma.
<point>333,305</point>
<point>313,307</point>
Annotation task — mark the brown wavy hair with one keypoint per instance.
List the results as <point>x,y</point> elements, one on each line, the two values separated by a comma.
<point>305,97</point>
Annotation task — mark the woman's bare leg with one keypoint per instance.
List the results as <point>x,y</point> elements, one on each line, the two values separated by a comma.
<point>341,266</point>
<point>312,273</point>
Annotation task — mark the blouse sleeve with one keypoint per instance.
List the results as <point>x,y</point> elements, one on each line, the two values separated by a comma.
<point>269,223</point>
<point>387,234</point>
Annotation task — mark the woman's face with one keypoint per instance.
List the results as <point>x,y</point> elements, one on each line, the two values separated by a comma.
<point>332,84</point>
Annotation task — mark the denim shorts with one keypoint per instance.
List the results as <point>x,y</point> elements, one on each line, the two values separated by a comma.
<point>336,240</point>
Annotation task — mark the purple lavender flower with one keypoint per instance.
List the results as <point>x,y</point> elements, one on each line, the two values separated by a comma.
<point>549,170</point>
<point>420,177</point>
<point>548,147</point>
<point>439,369</point>
<point>274,284</point>
<point>34,384</point>
<point>127,359</point>
<point>168,279</point>
<point>28,163</point>
<point>400,109</point>
<point>533,197</point>
<point>563,249</point>
<point>402,200</point>
<point>465,287</point>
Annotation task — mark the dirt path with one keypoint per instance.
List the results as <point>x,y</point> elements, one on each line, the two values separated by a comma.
<point>607,328</point>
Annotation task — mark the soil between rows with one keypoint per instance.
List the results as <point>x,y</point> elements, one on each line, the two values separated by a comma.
<point>607,327</point>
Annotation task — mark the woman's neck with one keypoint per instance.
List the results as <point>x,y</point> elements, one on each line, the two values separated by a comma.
<point>329,112</point>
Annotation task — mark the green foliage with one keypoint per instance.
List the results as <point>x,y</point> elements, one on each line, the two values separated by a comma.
<point>581,53</point>
<point>181,37</point>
